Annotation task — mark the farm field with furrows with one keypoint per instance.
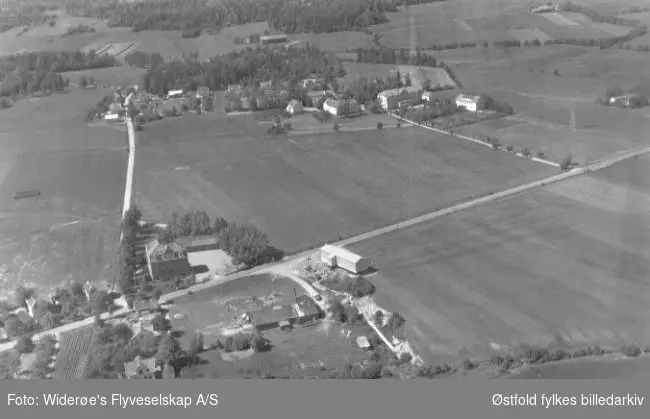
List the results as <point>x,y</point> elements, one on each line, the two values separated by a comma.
<point>72,358</point>
<point>305,189</point>
<point>71,230</point>
<point>564,265</point>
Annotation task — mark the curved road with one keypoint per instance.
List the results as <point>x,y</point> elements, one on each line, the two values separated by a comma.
<point>364,236</point>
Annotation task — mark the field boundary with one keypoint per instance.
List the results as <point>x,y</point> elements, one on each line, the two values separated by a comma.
<point>474,140</point>
<point>130,175</point>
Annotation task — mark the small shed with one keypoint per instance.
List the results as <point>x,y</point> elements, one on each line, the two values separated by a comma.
<point>295,107</point>
<point>363,342</point>
<point>335,256</point>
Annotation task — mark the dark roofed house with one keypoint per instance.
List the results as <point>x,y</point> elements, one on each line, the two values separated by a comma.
<point>166,260</point>
<point>270,317</point>
<point>306,309</point>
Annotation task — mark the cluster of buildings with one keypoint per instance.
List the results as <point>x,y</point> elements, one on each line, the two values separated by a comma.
<point>546,8</point>
<point>410,96</point>
<point>271,317</point>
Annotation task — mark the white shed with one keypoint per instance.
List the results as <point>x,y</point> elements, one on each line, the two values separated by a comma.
<point>339,257</point>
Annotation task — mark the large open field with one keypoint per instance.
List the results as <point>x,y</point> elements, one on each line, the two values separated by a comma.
<point>566,264</point>
<point>71,230</point>
<point>304,189</point>
<point>418,74</point>
<point>442,23</point>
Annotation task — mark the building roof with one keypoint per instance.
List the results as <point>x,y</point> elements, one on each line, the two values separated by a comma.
<point>157,251</point>
<point>340,252</point>
<point>467,98</point>
<point>271,314</point>
<point>272,37</point>
<point>395,92</point>
<point>139,364</point>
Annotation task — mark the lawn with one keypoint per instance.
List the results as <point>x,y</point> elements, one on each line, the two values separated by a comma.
<point>307,123</point>
<point>71,230</point>
<point>565,265</point>
<point>302,190</point>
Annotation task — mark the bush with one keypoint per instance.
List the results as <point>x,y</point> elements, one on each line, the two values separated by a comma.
<point>229,345</point>
<point>468,364</point>
<point>379,318</point>
<point>336,127</point>
<point>525,152</point>
<point>380,125</point>
<point>541,155</point>
<point>24,345</point>
<point>337,311</point>
<point>565,164</point>
<point>405,358</point>
<point>631,350</point>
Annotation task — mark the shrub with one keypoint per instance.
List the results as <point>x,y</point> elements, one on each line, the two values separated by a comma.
<point>525,152</point>
<point>259,343</point>
<point>565,164</point>
<point>24,345</point>
<point>510,148</point>
<point>541,155</point>
<point>380,125</point>
<point>337,311</point>
<point>468,364</point>
<point>405,358</point>
<point>336,127</point>
<point>398,125</point>
<point>631,350</point>
<point>379,318</point>
<point>229,345</point>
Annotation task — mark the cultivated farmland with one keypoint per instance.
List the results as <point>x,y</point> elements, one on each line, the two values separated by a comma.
<point>71,230</point>
<point>72,359</point>
<point>563,265</point>
<point>306,189</point>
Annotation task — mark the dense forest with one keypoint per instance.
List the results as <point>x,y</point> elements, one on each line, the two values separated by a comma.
<point>141,59</point>
<point>246,66</point>
<point>28,73</point>
<point>291,16</point>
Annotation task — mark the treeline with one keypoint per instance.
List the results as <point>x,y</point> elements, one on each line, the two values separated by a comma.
<point>291,16</point>
<point>247,66</point>
<point>28,73</point>
<point>382,55</point>
<point>79,29</point>
<point>141,59</point>
<point>600,18</point>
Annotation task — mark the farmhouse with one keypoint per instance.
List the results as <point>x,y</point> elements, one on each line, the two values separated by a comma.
<point>341,107</point>
<point>335,256</point>
<point>295,107</point>
<point>140,368</point>
<point>389,99</point>
<point>305,309</point>
<point>472,103</point>
<point>271,316</point>
<point>273,39</point>
<point>166,261</point>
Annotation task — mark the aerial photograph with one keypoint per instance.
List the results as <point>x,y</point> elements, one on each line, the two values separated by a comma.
<point>324,189</point>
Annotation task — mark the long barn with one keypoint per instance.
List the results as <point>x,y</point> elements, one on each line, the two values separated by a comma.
<point>339,257</point>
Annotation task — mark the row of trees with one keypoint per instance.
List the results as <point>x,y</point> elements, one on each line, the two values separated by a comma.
<point>247,66</point>
<point>28,73</point>
<point>383,55</point>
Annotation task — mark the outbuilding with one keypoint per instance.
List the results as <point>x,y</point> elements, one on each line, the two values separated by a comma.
<point>334,256</point>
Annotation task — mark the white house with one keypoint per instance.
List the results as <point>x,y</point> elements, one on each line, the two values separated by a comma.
<point>412,93</point>
<point>471,103</point>
<point>331,106</point>
<point>111,117</point>
<point>174,93</point>
<point>334,256</point>
<point>295,107</point>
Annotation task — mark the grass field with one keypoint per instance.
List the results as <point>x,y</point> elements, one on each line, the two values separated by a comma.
<point>561,265</point>
<point>113,76</point>
<point>304,189</point>
<point>336,41</point>
<point>71,230</point>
